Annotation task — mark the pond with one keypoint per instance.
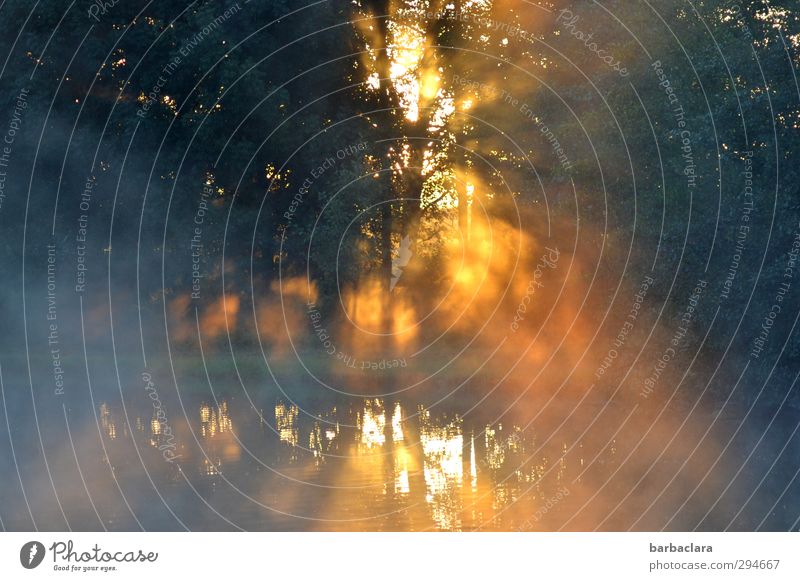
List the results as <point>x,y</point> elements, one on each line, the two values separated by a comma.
<point>260,460</point>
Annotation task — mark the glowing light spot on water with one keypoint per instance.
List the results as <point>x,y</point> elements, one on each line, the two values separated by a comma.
<point>286,423</point>
<point>397,424</point>
<point>373,424</point>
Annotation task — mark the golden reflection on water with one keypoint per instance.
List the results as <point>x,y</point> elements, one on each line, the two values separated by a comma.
<point>442,449</point>
<point>397,423</point>
<point>372,424</point>
<point>384,465</point>
<point>286,423</point>
<point>107,422</point>
<point>214,421</point>
<point>402,461</point>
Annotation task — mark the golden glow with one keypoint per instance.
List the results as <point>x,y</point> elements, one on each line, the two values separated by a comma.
<point>406,48</point>
<point>365,308</point>
<point>417,79</point>
<point>171,103</point>
<point>315,442</point>
<point>495,451</point>
<point>426,483</point>
<point>401,462</point>
<point>220,316</point>
<point>473,466</point>
<point>214,421</point>
<point>430,85</point>
<point>397,424</point>
<point>372,423</point>
<point>374,81</point>
<point>286,423</point>
<point>444,111</point>
<point>442,449</point>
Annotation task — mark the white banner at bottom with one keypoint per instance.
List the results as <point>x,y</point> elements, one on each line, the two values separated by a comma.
<point>400,556</point>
